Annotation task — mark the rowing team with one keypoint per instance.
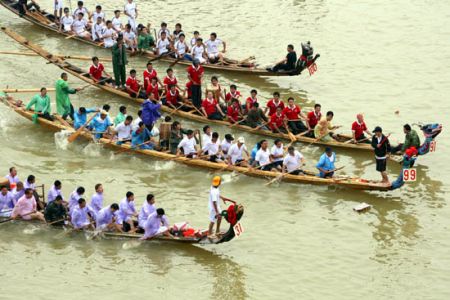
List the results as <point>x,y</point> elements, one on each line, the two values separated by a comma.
<point>20,202</point>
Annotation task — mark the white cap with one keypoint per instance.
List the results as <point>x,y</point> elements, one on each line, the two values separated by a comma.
<point>103,112</point>
<point>241,140</point>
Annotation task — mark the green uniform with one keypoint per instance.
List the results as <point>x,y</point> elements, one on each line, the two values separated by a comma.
<point>63,105</point>
<point>41,104</point>
<point>55,212</point>
<point>411,139</point>
<point>119,60</point>
<point>145,41</point>
<point>119,118</point>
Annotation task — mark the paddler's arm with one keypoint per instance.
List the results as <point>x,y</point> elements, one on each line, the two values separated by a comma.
<point>31,103</point>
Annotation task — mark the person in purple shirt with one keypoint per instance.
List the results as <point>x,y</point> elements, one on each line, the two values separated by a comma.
<point>147,209</point>
<point>7,201</point>
<point>75,196</point>
<point>107,217</point>
<point>79,216</point>
<point>156,224</point>
<point>126,213</point>
<point>97,199</point>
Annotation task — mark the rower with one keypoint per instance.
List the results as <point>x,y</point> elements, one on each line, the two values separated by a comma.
<point>211,109</point>
<point>124,131</point>
<point>278,122</point>
<point>277,154</point>
<point>133,86</point>
<point>263,158</point>
<point>149,74</point>
<point>194,39</point>
<point>411,140</point>
<point>312,118</point>
<point>234,111</point>
<point>251,101</point>
<point>19,191</point>
<point>212,48</point>
<point>195,76</point>
<point>121,115</point>
<point>233,94</point>
<point>97,70</point>
<point>176,136</point>
<point>12,178</point>
<point>170,79</point>
<point>119,61</point>
<point>116,22</point>
<point>188,145</point>
<point>294,117</point>
<point>173,97</point>
<point>130,39</point>
<point>147,209</point>
<point>63,105</point>
<point>79,216</point>
<point>80,117</point>
<point>287,63</point>
<point>55,212</point>
<point>156,224</point>
<point>30,183</point>
<point>256,117</point>
<point>215,216</point>
<point>358,129</point>
<point>136,121</point>
<point>76,195</point>
<point>57,9</point>
<point>207,134</point>
<point>101,124</point>
<point>81,9</point>
<point>216,88</point>
<point>212,148</point>
<point>181,48</point>
<point>164,30</point>
<point>106,219</point>
<point>54,192</point>
<point>382,147</point>
<point>323,131</point>
<point>42,106</point>
<point>326,164</point>
<point>177,32</point>
<point>26,208</point>
<point>235,152</point>
<point>131,11</point>
<point>98,13</point>
<point>97,199</point>
<point>109,35</point>
<point>126,213</point>
<point>81,27</point>
<point>227,142</point>
<point>7,201</point>
<point>163,45</point>
<point>66,21</point>
<point>198,51</point>
<point>273,104</point>
<point>143,137</point>
<point>97,30</point>
<point>293,162</point>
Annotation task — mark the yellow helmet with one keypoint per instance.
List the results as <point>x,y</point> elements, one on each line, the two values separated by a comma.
<point>216,180</point>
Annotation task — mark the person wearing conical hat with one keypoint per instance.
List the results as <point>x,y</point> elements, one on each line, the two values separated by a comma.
<point>214,206</point>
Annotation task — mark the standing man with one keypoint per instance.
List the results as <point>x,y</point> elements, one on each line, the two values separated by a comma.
<point>381,146</point>
<point>119,60</point>
<point>411,140</point>
<point>288,63</point>
<point>195,76</point>
<point>215,216</point>
<point>41,103</point>
<point>63,105</point>
<point>131,11</point>
<point>358,129</point>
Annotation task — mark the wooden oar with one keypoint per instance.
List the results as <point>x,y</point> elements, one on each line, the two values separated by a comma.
<point>357,142</point>
<point>75,135</point>
<point>303,133</point>
<point>237,123</point>
<point>57,221</point>
<point>279,178</point>
<point>245,172</point>
<point>132,147</point>
<point>11,219</point>
<point>161,56</point>
<point>291,136</point>
<point>57,55</point>
<point>260,126</point>
<point>62,121</point>
<point>26,90</point>
<point>176,109</point>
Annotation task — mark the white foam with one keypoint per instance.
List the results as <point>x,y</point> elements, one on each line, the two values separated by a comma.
<point>61,139</point>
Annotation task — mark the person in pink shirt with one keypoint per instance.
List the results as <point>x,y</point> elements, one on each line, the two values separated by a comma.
<point>26,208</point>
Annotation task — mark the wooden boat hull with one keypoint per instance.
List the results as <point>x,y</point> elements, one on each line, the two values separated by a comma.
<point>46,20</point>
<point>79,73</point>
<point>353,183</point>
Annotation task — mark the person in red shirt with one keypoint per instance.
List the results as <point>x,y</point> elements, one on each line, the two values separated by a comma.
<point>313,117</point>
<point>173,97</point>
<point>211,109</point>
<point>96,72</point>
<point>234,111</point>
<point>195,75</point>
<point>251,100</point>
<point>188,90</point>
<point>295,116</point>
<point>153,90</point>
<point>233,94</point>
<point>133,86</point>
<point>278,121</point>
<point>273,104</point>
<point>358,129</point>
<point>170,79</point>
<point>149,74</point>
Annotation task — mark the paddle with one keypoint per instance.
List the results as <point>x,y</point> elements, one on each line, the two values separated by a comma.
<point>237,123</point>
<point>26,90</point>
<point>251,169</point>
<point>278,178</point>
<point>75,135</point>
<point>62,121</point>
<point>291,136</point>
<point>360,141</point>
<point>57,55</point>
<point>132,148</point>
<point>176,109</point>
<point>161,56</point>
<point>57,221</point>
<point>11,219</point>
<point>259,127</point>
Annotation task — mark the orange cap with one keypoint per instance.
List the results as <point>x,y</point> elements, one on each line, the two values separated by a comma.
<point>216,181</point>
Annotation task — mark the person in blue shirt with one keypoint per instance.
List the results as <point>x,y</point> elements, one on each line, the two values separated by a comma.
<point>142,135</point>
<point>101,124</point>
<point>254,150</point>
<point>326,164</point>
<point>80,116</point>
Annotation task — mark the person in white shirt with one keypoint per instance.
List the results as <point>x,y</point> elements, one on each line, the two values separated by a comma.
<point>109,35</point>
<point>75,196</point>
<point>81,9</point>
<point>215,216</point>
<point>293,162</point>
<point>277,153</point>
<point>12,178</point>
<point>188,145</point>
<point>98,13</point>
<point>212,148</point>
<point>97,200</point>
<point>194,39</point>
<point>212,48</point>
<point>226,144</point>
<point>147,209</point>
<point>177,32</point>
<point>116,22</point>
<point>131,11</point>
<point>207,134</point>
<point>163,44</point>
<point>181,48</point>
<point>66,21</point>
<point>263,158</point>
<point>198,51</point>
<point>107,217</point>
<point>129,37</point>
<point>165,30</point>
<point>97,30</point>
<point>123,130</point>
<point>80,27</point>
<point>135,124</point>
<point>58,8</point>
<point>55,191</point>
<point>235,153</point>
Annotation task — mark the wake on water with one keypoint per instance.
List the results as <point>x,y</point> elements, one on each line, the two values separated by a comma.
<point>61,139</point>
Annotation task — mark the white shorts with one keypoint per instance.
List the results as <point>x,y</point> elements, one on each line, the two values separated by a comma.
<point>132,22</point>
<point>212,216</point>
<point>213,55</point>
<point>6,213</point>
<point>161,230</point>
<point>201,59</point>
<point>58,5</point>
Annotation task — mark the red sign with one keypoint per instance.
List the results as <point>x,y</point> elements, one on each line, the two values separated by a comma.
<point>409,175</point>
<point>312,69</point>
<point>238,229</point>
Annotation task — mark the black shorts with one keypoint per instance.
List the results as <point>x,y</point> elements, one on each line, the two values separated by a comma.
<point>269,167</point>
<point>238,162</point>
<point>381,164</point>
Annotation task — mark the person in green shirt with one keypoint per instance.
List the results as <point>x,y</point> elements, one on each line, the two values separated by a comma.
<point>121,116</point>
<point>119,60</point>
<point>411,140</point>
<point>63,105</point>
<point>145,40</point>
<point>41,103</point>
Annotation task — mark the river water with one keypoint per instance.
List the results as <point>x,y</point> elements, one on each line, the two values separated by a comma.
<point>300,241</point>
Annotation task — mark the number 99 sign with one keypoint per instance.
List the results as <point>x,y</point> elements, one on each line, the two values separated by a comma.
<point>409,175</point>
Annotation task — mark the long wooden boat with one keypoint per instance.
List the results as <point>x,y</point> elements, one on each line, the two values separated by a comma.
<point>309,178</point>
<point>192,115</point>
<point>47,20</point>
